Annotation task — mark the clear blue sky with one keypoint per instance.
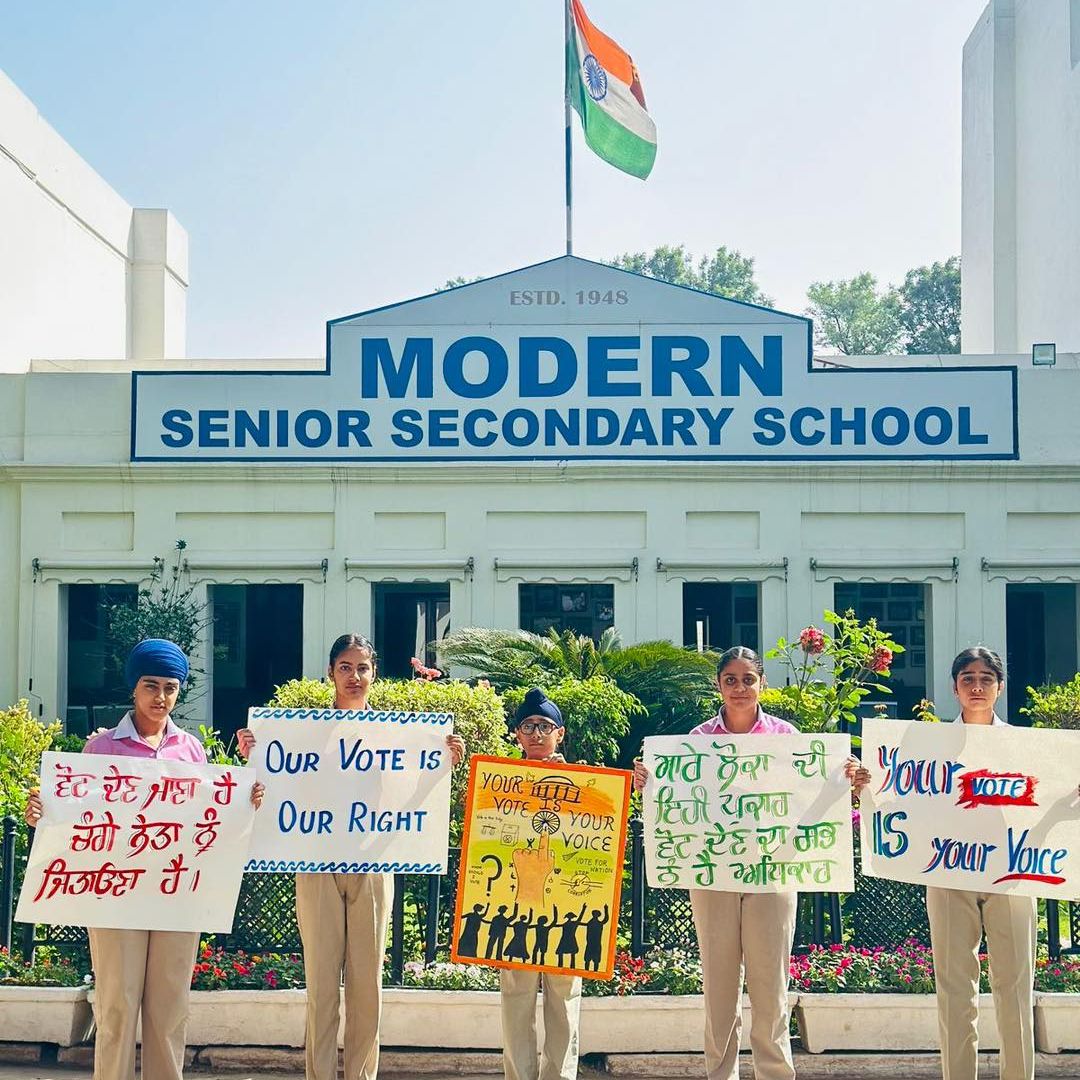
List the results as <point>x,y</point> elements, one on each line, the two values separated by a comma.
<point>330,157</point>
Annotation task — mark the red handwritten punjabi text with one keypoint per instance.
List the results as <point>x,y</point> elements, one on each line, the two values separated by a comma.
<point>985,788</point>
<point>70,784</point>
<point>94,835</point>
<point>208,827</point>
<point>106,880</point>
<point>173,790</point>
<point>171,875</point>
<point>119,787</point>
<point>223,789</point>
<point>156,835</point>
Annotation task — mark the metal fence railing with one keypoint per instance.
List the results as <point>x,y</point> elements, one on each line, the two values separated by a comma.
<point>878,912</point>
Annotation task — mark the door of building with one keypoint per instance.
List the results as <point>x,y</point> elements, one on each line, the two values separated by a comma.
<point>409,616</point>
<point>1040,639</point>
<point>257,645</point>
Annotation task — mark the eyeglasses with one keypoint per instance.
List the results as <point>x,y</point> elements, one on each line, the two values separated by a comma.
<point>539,727</point>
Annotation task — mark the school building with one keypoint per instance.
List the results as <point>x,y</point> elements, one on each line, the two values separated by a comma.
<point>564,445</point>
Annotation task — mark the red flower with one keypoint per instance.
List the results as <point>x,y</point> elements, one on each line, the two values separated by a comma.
<point>812,641</point>
<point>881,660</point>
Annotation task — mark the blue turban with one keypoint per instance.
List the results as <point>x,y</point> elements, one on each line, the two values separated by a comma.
<point>156,656</point>
<point>537,703</point>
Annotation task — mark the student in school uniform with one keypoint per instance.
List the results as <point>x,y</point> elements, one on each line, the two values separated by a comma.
<point>539,729</point>
<point>147,971</point>
<point>747,934</point>
<point>343,918</point>
<point>958,920</point>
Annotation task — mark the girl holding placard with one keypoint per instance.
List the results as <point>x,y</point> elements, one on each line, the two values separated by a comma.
<point>343,918</point>
<point>745,934</point>
<point>143,971</point>
<point>958,920</point>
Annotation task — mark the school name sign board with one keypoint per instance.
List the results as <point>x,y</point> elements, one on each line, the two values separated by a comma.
<point>541,867</point>
<point>573,361</point>
<point>985,809</point>
<point>351,792</point>
<point>760,813</point>
<point>138,844</point>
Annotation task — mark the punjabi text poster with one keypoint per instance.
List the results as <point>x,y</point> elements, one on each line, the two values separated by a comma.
<point>138,844</point>
<point>760,813</point>
<point>541,866</point>
<point>351,792</point>
<point>965,806</point>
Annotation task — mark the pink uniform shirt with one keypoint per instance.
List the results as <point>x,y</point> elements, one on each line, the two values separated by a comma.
<point>764,725</point>
<point>124,741</point>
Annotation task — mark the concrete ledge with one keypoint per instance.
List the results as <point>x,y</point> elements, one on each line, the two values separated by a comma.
<point>835,1066</point>
<point>15,1053</point>
<point>83,1056</point>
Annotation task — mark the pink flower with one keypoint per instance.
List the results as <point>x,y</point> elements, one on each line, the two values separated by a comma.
<point>812,641</point>
<point>881,660</point>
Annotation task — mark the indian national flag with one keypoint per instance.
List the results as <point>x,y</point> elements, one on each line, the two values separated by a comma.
<point>606,92</point>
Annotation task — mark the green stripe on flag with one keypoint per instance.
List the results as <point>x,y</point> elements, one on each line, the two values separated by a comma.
<point>607,137</point>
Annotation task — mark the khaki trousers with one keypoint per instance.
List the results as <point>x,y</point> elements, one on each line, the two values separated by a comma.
<point>148,970</point>
<point>562,1010</point>
<point>751,932</point>
<point>957,922</point>
<point>343,920</point>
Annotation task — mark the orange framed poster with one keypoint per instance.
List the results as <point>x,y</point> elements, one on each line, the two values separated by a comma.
<point>541,866</point>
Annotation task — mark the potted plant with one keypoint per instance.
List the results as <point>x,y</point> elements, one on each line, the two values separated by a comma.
<point>1057,1004</point>
<point>874,999</point>
<point>43,1001</point>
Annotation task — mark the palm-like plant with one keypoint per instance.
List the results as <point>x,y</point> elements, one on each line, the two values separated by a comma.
<point>674,685</point>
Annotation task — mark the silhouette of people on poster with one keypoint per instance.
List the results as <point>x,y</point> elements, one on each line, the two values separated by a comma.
<point>518,949</point>
<point>542,933</point>
<point>594,938</point>
<point>497,927</point>
<point>469,941</point>
<point>568,942</point>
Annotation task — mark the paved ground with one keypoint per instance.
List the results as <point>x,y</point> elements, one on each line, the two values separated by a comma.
<point>636,1066</point>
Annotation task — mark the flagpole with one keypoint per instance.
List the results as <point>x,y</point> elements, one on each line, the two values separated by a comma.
<point>569,140</point>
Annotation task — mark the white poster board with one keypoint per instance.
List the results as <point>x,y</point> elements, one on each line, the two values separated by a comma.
<point>964,806</point>
<point>138,844</point>
<point>351,792</point>
<point>759,813</point>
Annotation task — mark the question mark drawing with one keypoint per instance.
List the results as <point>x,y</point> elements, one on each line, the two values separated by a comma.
<point>497,873</point>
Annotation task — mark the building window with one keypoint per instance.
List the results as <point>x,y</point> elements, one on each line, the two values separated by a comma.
<point>97,693</point>
<point>257,646</point>
<point>902,610</point>
<point>717,615</point>
<point>1040,639</point>
<point>409,618</point>
<point>582,609</point>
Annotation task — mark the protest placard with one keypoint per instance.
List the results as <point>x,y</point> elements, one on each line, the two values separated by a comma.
<point>541,867</point>
<point>138,844</point>
<point>967,806</point>
<point>768,813</point>
<point>351,792</point>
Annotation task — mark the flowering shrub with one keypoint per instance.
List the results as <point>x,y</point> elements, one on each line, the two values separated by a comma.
<point>630,974</point>
<point>450,976</point>
<point>908,969</point>
<point>48,969</point>
<point>422,672</point>
<point>673,971</point>
<point>854,656</point>
<point>216,969</point>
<point>1062,974</point>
